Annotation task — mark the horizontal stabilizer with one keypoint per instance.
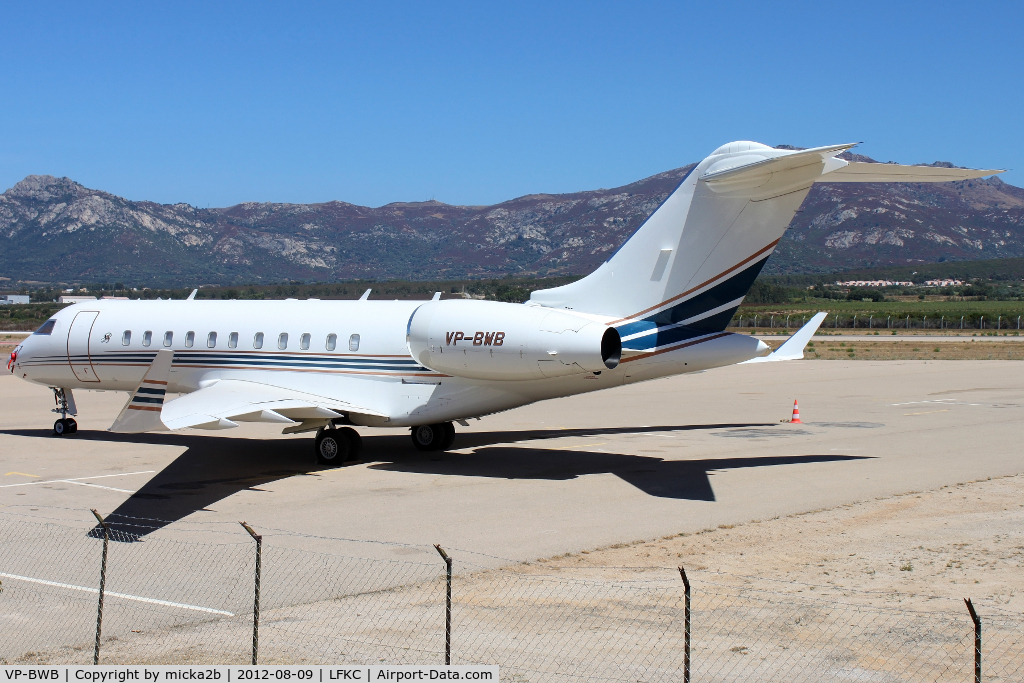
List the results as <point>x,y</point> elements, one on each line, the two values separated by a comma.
<point>770,173</point>
<point>863,172</point>
<point>733,168</point>
<point>793,349</point>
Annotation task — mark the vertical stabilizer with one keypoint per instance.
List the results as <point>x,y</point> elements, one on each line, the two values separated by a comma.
<point>686,270</point>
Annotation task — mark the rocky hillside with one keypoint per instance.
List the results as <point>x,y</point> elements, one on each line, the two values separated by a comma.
<point>55,230</point>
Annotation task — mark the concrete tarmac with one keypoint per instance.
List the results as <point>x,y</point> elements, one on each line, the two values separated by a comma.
<point>674,455</point>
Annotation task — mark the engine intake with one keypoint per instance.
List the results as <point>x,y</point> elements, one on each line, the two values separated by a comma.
<point>500,341</point>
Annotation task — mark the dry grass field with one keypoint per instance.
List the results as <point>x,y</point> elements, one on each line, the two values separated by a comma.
<point>919,348</point>
<point>965,540</point>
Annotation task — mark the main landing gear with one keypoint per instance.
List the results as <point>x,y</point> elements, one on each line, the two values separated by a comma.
<point>439,437</point>
<point>335,447</point>
<point>65,425</point>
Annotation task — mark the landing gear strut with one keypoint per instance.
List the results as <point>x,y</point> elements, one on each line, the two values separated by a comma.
<point>439,437</point>
<point>335,447</point>
<point>65,425</point>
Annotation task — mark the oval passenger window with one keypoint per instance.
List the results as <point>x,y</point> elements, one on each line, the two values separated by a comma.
<point>332,342</point>
<point>353,342</point>
<point>282,341</point>
<point>190,339</point>
<point>304,342</point>
<point>126,338</point>
<point>232,340</point>
<point>211,340</point>
<point>147,338</point>
<point>257,341</point>
<point>168,338</point>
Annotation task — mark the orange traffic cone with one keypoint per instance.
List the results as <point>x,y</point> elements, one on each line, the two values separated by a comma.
<point>796,414</point>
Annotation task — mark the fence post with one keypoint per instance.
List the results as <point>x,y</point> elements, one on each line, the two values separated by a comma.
<point>103,587</point>
<point>447,608</point>
<point>686,625</point>
<point>256,601</point>
<point>977,640</point>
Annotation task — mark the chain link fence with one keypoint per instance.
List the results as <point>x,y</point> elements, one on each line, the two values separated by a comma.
<point>913,321</point>
<point>171,601</point>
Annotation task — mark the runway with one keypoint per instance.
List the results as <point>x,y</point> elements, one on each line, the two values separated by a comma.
<point>658,458</point>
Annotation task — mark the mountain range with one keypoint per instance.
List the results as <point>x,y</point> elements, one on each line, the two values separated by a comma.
<point>55,230</point>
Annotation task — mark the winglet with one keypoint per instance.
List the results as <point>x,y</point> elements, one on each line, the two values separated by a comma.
<point>142,411</point>
<point>793,349</point>
<point>366,295</point>
<point>192,295</point>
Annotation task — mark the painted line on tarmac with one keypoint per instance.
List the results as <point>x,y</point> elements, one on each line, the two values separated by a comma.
<point>124,596</point>
<point>94,486</point>
<point>81,481</point>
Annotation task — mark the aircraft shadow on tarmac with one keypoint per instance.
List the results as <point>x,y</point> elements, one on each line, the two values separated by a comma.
<point>213,468</point>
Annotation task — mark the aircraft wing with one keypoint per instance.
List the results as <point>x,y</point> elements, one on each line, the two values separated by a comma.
<point>222,404</point>
<point>226,402</point>
<point>793,349</point>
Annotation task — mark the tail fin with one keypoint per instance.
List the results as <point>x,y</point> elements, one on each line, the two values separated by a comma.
<point>687,268</point>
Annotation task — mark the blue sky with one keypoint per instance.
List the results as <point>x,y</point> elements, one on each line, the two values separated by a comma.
<point>475,103</point>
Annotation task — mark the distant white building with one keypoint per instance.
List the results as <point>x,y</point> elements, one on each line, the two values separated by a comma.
<point>76,299</point>
<point>943,283</point>
<point>13,299</point>
<point>874,283</point>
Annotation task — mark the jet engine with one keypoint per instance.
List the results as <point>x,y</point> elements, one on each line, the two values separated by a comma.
<point>501,341</point>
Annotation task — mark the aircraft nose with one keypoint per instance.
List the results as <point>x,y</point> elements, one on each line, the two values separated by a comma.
<point>762,349</point>
<point>13,358</point>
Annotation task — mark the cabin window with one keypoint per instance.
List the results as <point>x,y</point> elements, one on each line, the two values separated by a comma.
<point>282,341</point>
<point>233,340</point>
<point>126,338</point>
<point>304,342</point>
<point>190,339</point>
<point>353,342</point>
<point>332,342</point>
<point>168,338</point>
<point>257,341</point>
<point>147,338</point>
<point>46,328</point>
<point>211,340</point>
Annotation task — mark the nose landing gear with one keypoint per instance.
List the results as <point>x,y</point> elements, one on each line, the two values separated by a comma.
<point>65,406</point>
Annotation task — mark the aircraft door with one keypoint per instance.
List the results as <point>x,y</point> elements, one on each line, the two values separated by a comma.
<point>78,346</point>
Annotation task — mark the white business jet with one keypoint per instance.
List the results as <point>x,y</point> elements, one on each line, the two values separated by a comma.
<point>658,307</point>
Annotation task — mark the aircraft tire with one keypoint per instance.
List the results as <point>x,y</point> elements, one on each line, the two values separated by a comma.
<point>428,437</point>
<point>355,442</point>
<point>60,428</point>
<point>449,436</point>
<point>72,426</point>
<point>332,447</point>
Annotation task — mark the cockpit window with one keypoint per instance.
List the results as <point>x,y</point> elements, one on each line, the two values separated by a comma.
<point>46,328</point>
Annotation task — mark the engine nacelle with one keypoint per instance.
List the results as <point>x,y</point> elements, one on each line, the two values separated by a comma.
<point>500,341</point>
